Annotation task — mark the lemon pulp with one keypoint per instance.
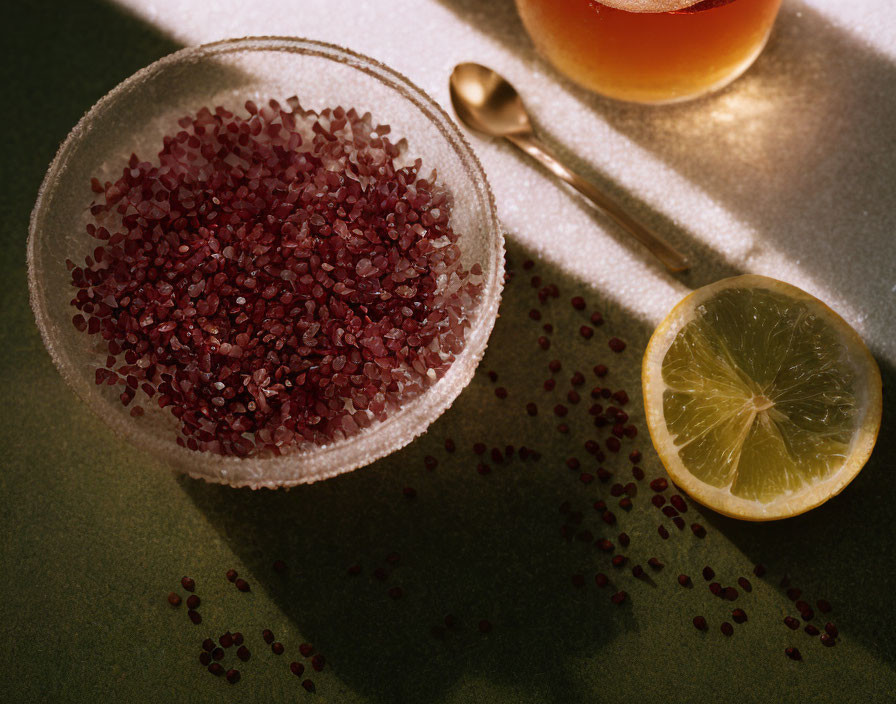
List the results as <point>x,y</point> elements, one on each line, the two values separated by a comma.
<point>761,397</point>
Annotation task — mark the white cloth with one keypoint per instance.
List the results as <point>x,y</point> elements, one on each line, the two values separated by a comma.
<point>790,172</point>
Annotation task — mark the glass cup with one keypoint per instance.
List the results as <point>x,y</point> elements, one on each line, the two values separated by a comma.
<point>650,51</point>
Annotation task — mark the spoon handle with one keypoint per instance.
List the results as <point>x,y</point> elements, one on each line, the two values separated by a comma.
<point>671,258</point>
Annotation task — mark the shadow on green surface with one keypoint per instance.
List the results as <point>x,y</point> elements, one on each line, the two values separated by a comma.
<point>477,547</point>
<point>490,547</point>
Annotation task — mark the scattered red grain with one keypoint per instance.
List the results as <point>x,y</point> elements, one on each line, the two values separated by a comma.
<point>174,599</point>
<point>793,653</point>
<point>726,628</point>
<point>831,630</point>
<point>678,503</point>
<point>619,597</point>
<point>193,601</point>
<point>700,623</point>
<point>188,583</point>
<point>616,344</point>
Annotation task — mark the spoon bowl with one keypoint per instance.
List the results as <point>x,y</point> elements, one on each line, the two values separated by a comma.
<point>487,102</point>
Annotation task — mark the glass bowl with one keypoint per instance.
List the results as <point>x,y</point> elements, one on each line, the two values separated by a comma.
<point>134,116</point>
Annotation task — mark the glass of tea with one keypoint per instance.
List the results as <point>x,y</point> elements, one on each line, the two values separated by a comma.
<point>650,51</point>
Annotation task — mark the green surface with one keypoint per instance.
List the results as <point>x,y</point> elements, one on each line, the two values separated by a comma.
<point>96,534</point>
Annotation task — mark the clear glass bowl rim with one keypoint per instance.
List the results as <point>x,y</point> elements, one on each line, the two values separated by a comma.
<point>341,456</point>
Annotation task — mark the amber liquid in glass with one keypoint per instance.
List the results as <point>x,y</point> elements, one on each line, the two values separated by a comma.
<point>650,57</point>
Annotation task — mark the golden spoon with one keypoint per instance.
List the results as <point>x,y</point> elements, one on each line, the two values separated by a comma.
<point>486,102</point>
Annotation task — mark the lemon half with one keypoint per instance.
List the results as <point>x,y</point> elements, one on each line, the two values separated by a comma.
<point>761,401</point>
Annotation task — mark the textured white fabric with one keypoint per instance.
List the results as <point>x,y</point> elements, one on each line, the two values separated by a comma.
<point>790,172</point>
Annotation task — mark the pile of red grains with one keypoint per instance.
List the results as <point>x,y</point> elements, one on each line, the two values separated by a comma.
<point>280,277</point>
